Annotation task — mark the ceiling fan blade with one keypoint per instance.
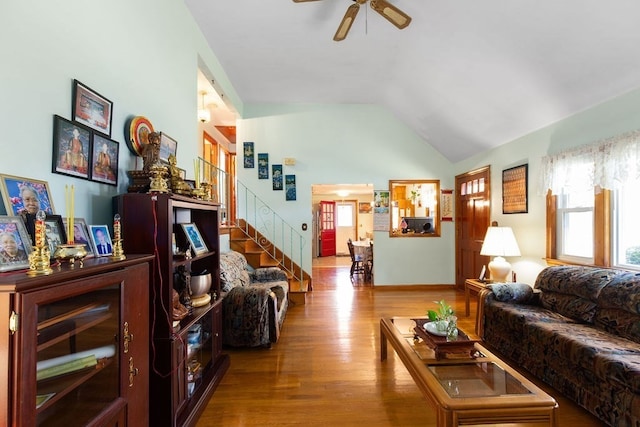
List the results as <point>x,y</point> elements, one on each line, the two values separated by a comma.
<point>391,13</point>
<point>345,25</point>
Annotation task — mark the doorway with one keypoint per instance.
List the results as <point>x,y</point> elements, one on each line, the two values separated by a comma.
<point>346,220</point>
<point>473,210</point>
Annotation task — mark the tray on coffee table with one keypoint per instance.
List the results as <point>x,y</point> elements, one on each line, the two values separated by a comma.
<point>442,345</point>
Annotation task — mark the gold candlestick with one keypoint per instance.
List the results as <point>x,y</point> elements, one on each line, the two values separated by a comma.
<point>118,252</point>
<point>39,259</point>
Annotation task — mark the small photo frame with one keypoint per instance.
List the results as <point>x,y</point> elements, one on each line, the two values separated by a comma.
<point>483,274</point>
<point>195,239</point>
<point>514,190</point>
<point>15,244</point>
<point>80,234</point>
<point>168,146</point>
<point>104,160</point>
<point>25,195</point>
<point>101,240</point>
<point>91,109</point>
<point>54,232</point>
<point>71,148</point>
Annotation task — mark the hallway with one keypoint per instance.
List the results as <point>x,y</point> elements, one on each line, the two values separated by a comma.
<point>325,369</point>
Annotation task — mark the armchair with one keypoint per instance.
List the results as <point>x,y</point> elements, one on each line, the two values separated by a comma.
<point>255,303</point>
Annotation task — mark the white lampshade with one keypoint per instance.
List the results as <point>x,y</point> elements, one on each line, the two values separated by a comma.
<point>499,242</point>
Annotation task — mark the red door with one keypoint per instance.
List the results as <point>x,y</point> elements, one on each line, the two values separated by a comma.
<point>327,228</point>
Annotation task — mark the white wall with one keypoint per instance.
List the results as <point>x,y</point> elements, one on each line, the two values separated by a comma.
<point>142,55</point>
<point>608,119</point>
<point>335,144</point>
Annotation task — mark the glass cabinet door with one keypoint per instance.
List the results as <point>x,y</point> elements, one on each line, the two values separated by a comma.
<point>199,352</point>
<point>77,355</point>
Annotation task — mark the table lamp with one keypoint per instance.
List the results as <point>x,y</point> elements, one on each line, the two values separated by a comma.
<point>499,242</point>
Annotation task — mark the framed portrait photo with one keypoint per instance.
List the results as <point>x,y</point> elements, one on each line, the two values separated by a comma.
<point>80,234</point>
<point>101,240</point>
<point>54,232</point>
<point>168,146</point>
<point>25,195</point>
<point>71,148</point>
<point>104,160</point>
<point>15,244</point>
<point>91,109</point>
<point>195,239</point>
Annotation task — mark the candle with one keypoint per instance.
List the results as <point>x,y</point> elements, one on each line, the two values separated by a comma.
<point>39,231</point>
<point>116,227</point>
<point>69,196</point>
<point>196,167</point>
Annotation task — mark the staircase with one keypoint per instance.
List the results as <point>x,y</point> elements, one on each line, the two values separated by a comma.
<point>260,252</point>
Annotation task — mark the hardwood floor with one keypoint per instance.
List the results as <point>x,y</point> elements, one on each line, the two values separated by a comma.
<point>326,370</point>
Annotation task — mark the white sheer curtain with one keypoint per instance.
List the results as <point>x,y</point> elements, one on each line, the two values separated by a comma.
<point>609,163</point>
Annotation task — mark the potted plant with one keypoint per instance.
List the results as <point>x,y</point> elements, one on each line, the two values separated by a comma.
<point>444,318</point>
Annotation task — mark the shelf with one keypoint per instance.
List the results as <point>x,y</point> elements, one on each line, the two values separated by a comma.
<point>65,384</point>
<point>66,326</point>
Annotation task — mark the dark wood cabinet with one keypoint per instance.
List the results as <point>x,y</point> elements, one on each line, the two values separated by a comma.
<point>74,345</point>
<point>186,359</point>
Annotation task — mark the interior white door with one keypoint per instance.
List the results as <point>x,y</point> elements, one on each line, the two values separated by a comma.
<point>346,225</point>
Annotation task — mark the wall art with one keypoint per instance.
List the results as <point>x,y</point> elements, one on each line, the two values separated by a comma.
<point>514,190</point>
<point>263,165</point>
<point>71,148</point>
<point>104,160</point>
<point>290,187</point>
<point>249,155</point>
<point>276,177</point>
<point>91,109</point>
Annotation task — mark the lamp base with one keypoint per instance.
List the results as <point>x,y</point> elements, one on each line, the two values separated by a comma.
<point>499,269</point>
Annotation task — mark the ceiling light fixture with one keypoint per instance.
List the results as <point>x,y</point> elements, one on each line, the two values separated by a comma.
<point>204,115</point>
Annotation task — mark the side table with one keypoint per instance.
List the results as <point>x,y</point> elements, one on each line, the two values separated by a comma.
<point>474,285</point>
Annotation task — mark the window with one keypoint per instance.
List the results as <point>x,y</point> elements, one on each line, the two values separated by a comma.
<point>575,234</point>
<point>345,215</point>
<point>593,203</point>
<point>626,227</point>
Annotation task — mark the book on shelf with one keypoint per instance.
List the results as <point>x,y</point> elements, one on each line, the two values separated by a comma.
<point>67,367</point>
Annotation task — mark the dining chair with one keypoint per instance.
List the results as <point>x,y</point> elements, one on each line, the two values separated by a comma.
<point>357,261</point>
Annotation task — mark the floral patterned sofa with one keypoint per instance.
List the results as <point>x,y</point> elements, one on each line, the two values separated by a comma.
<point>255,302</point>
<point>579,332</point>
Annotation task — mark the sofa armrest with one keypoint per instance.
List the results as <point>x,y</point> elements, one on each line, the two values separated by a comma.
<point>249,313</point>
<point>268,274</point>
<point>483,297</point>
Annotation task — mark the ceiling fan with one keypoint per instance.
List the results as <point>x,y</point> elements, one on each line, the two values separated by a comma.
<point>384,8</point>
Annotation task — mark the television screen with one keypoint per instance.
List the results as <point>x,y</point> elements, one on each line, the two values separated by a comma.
<point>421,225</point>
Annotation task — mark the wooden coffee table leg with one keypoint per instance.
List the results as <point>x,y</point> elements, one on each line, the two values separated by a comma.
<point>383,344</point>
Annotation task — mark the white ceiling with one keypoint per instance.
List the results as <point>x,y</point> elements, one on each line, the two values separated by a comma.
<point>466,75</point>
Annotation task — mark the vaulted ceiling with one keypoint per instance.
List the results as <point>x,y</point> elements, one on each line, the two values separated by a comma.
<point>465,75</point>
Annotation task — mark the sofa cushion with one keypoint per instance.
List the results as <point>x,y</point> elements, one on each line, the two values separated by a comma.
<point>607,356</point>
<point>585,282</point>
<point>622,292</point>
<point>580,309</point>
<point>619,322</point>
<point>512,292</point>
<point>233,270</point>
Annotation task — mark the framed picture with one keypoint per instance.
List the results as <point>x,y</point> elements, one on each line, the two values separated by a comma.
<point>364,207</point>
<point>25,195</point>
<point>91,109</point>
<point>104,160</point>
<point>168,146</point>
<point>101,240</point>
<point>483,273</point>
<point>71,148</point>
<point>249,155</point>
<point>276,177</point>
<point>290,187</point>
<point>263,165</point>
<point>15,244</point>
<point>80,234</point>
<point>194,237</point>
<point>54,232</point>
<point>514,190</point>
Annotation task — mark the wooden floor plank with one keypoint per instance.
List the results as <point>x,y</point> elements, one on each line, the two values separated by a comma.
<point>325,369</point>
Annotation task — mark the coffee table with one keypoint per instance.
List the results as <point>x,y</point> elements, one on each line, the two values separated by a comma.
<point>467,391</point>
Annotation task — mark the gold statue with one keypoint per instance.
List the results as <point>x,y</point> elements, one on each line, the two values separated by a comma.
<point>151,152</point>
<point>177,184</point>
